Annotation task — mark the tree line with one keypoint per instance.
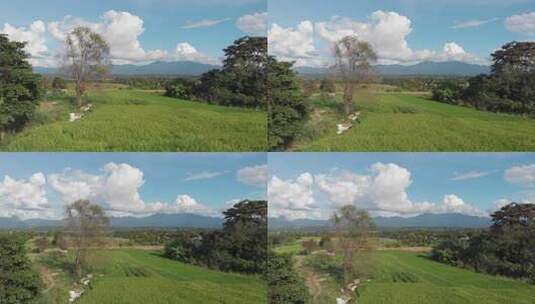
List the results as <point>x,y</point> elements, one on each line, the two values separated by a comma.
<point>241,82</point>
<point>507,248</point>
<point>241,246</point>
<point>509,88</point>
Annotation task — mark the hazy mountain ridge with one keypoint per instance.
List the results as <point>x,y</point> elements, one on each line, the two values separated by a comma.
<point>453,68</point>
<point>447,220</point>
<point>152,221</point>
<point>163,68</point>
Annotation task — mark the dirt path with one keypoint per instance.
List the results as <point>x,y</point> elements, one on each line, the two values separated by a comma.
<point>311,278</point>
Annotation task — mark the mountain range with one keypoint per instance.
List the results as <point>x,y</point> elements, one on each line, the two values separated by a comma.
<point>190,68</point>
<point>158,68</point>
<point>181,220</point>
<point>448,68</point>
<point>447,220</point>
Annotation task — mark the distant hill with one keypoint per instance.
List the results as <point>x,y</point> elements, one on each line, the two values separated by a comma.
<point>162,68</point>
<point>453,68</point>
<point>153,221</point>
<point>448,220</point>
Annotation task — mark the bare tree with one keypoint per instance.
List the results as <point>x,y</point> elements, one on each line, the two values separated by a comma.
<point>353,229</point>
<point>354,60</point>
<point>86,224</point>
<point>85,58</point>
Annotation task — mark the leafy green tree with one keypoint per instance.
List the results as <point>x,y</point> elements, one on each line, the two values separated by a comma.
<point>507,248</point>
<point>287,109</point>
<point>285,286</point>
<point>516,56</point>
<point>19,86</point>
<point>354,60</point>
<point>242,80</point>
<point>245,229</point>
<point>19,283</point>
<point>353,229</point>
<point>86,224</point>
<point>85,58</point>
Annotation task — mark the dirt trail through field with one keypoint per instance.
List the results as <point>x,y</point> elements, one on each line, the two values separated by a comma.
<point>311,278</point>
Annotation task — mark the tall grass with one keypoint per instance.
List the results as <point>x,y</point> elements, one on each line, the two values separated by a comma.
<point>128,120</point>
<point>403,122</point>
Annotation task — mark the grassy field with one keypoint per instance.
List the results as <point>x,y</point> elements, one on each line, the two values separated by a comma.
<point>133,120</point>
<point>412,122</point>
<point>140,276</point>
<point>406,277</point>
<point>409,277</point>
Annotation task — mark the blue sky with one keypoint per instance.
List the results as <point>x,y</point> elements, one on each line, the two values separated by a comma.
<point>154,24</point>
<point>40,184</point>
<point>405,184</point>
<point>475,27</point>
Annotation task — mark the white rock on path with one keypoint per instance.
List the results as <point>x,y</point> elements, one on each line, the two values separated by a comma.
<point>343,128</point>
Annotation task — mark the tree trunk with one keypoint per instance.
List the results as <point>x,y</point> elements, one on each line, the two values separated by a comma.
<point>78,98</point>
<point>78,264</point>
<point>348,98</point>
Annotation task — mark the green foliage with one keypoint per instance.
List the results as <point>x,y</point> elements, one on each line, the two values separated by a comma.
<point>506,249</point>
<point>143,83</point>
<point>288,110</point>
<point>242,80</point>
<point>159,124</point>
<point>241,246</point>
<point>284,284</point>
<point>509,88</point>
<point>179,88</point>
<point>447,92</point>
<point>19,86</point>
<point>19,283</point>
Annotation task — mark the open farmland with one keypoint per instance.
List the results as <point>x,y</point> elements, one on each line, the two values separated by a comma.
<point>144,276</point>
<point>135,120</point>
<point>412,122</point>
<point>407,277</point>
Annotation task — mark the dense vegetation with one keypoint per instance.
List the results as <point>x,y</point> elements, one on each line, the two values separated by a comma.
<point>284,283</point>
<point>510,87</point>
<point>241,82</point>
<point>239,247</point>
<point>19,282</point>
<point>507,248</point>
<point>19,86</point>
<point>287,109</point>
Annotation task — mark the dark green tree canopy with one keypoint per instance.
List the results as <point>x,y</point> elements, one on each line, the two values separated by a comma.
<point>517,56</point>
<point>19,86</point>
<point>287,109</point>
<point>19,283</point>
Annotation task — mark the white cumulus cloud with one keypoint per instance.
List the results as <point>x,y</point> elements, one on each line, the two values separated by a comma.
<point>522,23</point>
<point>34,36</point>
<point>117,190</point>
<point>522,175</point>
<point>292,199</point>
<point>255,24</point>
<point>386,31</point>
<point>24,198</point>
<point>253,175</point>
